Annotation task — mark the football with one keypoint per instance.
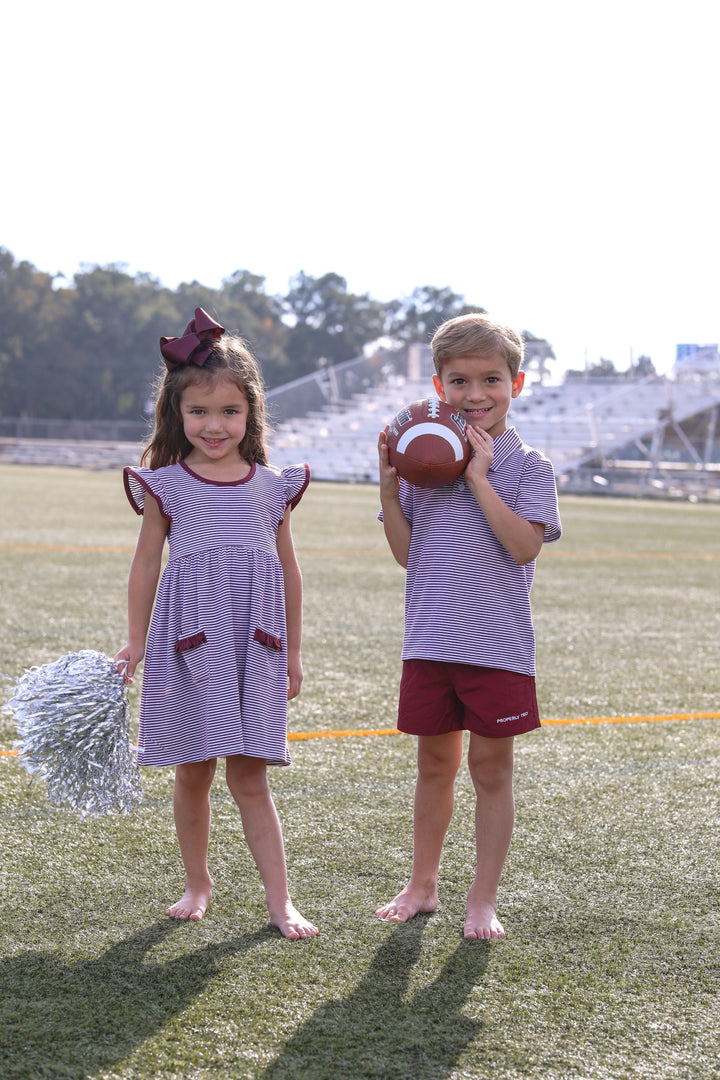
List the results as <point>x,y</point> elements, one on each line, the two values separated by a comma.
<point>427,443</point>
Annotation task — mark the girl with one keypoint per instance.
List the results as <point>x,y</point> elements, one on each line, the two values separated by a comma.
<point>223,647</point>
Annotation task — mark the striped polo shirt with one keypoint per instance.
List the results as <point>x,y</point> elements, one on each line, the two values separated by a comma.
<point>466,599</point>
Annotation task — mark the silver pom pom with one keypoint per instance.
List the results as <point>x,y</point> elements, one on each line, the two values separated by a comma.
<point>72,718</point>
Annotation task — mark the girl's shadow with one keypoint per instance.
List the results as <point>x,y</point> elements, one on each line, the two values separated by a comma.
<point>71,1020</point>
<point>377,1031</point>
<point>60,1019</point>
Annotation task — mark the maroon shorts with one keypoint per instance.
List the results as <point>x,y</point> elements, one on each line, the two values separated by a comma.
<point>437,697</point>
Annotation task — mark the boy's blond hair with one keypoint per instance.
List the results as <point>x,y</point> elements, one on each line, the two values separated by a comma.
<point>476,335</point>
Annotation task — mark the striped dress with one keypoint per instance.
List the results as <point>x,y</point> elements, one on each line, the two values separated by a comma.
<point>215,674</point>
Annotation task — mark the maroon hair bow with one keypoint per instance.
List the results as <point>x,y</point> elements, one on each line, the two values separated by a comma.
<point>195,344</point>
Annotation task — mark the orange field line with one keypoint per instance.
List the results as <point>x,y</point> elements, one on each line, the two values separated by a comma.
<point>631,555</point>
<point>69,548</point>
<point>578,720</point>
<point>637,719</point>
<point>295,735</point>
<point>373,552</point>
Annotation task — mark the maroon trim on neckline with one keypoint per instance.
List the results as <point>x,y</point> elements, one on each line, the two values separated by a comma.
<point>220,483</point>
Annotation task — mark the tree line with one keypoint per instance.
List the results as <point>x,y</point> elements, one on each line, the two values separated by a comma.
<point>88,349</point>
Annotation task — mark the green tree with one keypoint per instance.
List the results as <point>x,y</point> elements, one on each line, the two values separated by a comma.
<point>327,322</point>
<point>257,317</point>
<point>416,317</point>
<point>110,342</point>
<point>603,369</point>
<point>538,353</point>
<point>243,307</point>
<point>30,312</point>
<point>643,367</point>
<point>90,349</point>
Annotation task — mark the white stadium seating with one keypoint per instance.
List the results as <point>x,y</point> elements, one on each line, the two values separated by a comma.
<point>574,423</point>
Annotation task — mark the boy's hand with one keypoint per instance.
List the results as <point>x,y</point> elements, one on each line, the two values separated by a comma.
<point>396,525</point>
<point>389,483</point>
<point>481,460</point>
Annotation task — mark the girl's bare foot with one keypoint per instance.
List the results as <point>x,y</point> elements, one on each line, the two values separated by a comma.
<point>482,920</point>
<point>192,904</point>
<point>291,923</point>
<point>410,902</point>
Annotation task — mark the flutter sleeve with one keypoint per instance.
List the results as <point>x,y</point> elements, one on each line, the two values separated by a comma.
<point>296,479</point>
<point>139,482</point>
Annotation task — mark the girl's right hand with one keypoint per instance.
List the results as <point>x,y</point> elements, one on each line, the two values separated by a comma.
<point>126,662</point>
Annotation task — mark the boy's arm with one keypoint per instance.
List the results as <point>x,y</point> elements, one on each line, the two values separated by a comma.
<point>396,525</point>
<point>522,539</point>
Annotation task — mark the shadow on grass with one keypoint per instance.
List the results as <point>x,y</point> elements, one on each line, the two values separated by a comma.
<point>64,1020</point>
<point>379,1031</point>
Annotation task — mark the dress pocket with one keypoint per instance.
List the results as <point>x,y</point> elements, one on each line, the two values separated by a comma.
<point>270,640</point>
<point>191,650</point>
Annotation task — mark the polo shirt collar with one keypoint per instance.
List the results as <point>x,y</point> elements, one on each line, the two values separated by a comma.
<point>506,443</point>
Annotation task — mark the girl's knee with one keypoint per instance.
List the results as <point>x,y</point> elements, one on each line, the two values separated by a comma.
<point>247,775</point>
<point>196,774</point>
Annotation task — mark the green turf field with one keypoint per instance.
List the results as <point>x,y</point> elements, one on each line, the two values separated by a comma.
<point>611,893</point>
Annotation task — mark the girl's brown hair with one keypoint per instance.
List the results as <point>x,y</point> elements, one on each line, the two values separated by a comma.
<point>230,358</point>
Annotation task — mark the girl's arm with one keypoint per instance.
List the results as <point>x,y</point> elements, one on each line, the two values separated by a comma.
<point>396,525</point>
<point>522,539</point>
<point>293,604</point>
<point>142,584</point>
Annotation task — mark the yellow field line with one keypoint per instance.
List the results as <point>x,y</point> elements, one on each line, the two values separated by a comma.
<point>295,735</point>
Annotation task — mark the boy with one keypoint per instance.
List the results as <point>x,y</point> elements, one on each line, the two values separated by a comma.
<point>469,647</point>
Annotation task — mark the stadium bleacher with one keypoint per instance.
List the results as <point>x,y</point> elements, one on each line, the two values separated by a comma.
<point>605,435</point>
<point>577,423</point>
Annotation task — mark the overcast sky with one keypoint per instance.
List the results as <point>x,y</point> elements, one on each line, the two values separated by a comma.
<point>554,162</point>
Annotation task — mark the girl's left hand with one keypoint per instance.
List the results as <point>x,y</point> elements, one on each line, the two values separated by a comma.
<point>481,460</point>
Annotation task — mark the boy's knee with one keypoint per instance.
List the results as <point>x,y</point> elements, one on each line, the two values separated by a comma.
<point>491,772</point>
<point>436,770</point>
<point>439,758</point>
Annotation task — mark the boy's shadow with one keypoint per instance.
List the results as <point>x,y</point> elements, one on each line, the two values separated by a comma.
<point>377,1031</point>
<point>60,1019</point>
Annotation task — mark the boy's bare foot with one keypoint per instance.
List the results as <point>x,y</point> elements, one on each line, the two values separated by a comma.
<point>410,902</point>
<point>192,904</point>
<point>482,921</point>
<point>291,923</point>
